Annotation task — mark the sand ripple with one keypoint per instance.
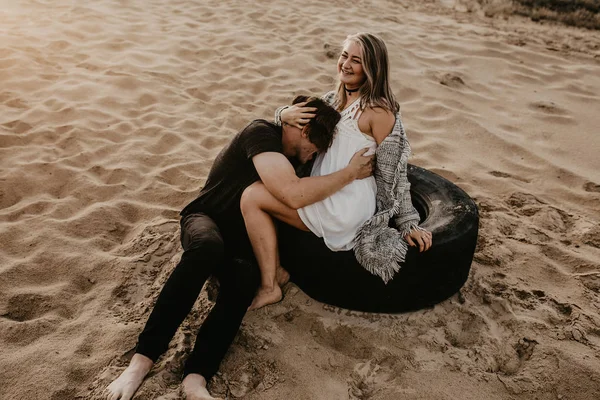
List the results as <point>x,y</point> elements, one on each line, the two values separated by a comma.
<point>111,115</point>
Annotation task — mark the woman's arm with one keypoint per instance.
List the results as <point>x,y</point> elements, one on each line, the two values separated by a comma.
<point>297,115</point>
<point>407,219</point>
<point>381,123</point>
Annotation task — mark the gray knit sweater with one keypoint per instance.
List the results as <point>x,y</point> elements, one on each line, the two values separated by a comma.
<point>379,248</point>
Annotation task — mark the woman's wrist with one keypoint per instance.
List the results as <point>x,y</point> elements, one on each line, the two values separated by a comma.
<point>278,119</point>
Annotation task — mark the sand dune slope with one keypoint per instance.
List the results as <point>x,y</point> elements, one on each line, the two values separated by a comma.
<point>111,114</point>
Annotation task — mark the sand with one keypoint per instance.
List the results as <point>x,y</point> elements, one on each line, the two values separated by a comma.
<point>112,112</point>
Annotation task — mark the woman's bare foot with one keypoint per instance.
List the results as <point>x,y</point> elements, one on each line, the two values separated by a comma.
<point>266,296</point>
<point>282,276</point>
<point>194,388</point>
<point>125,386</point>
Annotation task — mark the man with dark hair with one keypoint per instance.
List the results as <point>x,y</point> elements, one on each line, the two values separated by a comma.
<point>215,242</point>
<point>320,128</point>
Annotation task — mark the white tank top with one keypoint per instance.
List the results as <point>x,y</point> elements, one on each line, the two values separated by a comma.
<point>337,218</point>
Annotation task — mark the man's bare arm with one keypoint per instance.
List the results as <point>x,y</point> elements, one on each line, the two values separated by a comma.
<point>279,177</point>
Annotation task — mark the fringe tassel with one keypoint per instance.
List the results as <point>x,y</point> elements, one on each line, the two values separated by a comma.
<point>406,230</point>
<point>387,267</point>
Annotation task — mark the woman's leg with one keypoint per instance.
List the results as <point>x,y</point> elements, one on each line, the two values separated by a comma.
<point>259,207</point>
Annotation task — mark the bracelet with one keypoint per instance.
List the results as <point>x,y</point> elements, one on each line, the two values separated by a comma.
<point>278,115</point>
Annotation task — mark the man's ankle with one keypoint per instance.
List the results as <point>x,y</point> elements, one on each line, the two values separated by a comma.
<point>140,361</point>
<point>197,378</point>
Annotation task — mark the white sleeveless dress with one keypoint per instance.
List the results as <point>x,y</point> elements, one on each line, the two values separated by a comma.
<point>337,218</point>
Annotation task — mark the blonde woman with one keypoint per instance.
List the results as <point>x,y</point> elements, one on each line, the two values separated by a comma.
<point>369,114</point>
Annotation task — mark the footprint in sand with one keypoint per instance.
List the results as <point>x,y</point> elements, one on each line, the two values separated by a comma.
<point>342,339</point>
<point>544,217</point>
<point>529,299</point>
<point>591,281</point>
<point>519,200</point>
<point>28,306</point>
<point>151,252</point>
<point>525,347</point>
<point>468,330</point>
<point>452,80</point>
<point>547,107</point>
<point>591,187</point>
<point>551,113</point>
<point>30,316</point>
<point>500,174</point>
<point>64,393</point>
<point>365,381</point>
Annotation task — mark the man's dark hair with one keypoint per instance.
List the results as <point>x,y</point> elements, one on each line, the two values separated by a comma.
<point>322,127</point>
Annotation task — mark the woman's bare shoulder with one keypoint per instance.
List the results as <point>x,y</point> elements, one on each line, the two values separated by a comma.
<point>381,121</point>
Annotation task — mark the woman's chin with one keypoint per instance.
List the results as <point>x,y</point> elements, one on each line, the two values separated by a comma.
<point>349,80</point>
<point>346,80</point>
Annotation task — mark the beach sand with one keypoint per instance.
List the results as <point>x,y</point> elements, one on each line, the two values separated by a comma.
<point>112,112</point>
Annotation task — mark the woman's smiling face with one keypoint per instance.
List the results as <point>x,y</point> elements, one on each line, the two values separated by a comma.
<point>350,70</point>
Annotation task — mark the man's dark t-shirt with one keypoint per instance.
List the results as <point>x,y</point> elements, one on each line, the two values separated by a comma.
<point>232,172</point>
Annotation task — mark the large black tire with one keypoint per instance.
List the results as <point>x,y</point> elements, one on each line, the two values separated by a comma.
<point>424,279</point>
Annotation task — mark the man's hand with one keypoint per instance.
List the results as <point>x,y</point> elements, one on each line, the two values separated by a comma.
<point>421,237</point>
<point>361,166</point>
<point>297,115</point>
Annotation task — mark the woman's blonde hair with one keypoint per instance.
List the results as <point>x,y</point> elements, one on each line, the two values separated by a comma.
<point>376,91</point>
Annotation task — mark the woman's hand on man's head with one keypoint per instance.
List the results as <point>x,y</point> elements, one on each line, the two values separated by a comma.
<point>298,115</point>
<point>419,237</point>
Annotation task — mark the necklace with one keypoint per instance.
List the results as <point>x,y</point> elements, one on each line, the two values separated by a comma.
<point>351,90</point>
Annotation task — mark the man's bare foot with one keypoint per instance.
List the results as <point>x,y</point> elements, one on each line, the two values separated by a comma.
<point>282,276</point>
<point>125,386</point>
<point>266,296</point>
<point>194,388</point>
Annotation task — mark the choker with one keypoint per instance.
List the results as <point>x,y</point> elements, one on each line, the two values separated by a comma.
<point>351,90</point>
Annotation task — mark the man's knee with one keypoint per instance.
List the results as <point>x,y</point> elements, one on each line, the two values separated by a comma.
<point>200,232</point>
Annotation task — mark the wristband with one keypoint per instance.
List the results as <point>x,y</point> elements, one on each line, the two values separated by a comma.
<point>278,115</point>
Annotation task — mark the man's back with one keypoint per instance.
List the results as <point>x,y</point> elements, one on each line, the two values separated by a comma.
<point>233,171</point>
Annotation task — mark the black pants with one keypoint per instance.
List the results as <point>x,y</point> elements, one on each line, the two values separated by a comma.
<point>205,253</point>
